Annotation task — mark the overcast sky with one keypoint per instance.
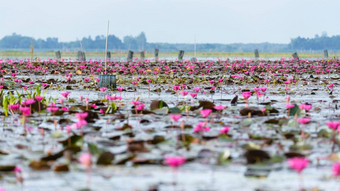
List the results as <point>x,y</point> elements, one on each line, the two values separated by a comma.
<point>175,21</point>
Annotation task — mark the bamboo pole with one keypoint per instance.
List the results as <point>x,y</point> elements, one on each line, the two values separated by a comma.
<point>107,36</point>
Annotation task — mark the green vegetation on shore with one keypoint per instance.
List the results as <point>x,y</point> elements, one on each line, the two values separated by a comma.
<point>51,54</point>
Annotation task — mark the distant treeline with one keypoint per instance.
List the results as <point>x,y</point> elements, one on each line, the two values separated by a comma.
<point>16,41</point>
<point>139,43</point>
<point>317,43</point>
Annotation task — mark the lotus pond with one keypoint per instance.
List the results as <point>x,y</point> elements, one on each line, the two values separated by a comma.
<point>212,125</point>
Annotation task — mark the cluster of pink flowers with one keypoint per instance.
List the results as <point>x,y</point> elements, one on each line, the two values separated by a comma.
<point>201,127</point>
<point>81,120</point>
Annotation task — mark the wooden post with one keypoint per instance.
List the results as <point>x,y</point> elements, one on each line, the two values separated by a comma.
<point>325,53</point>
<point>108,55</point>
<point>156,54</point>
<point>142,56</point>
<point>107,35</point>
<point>79,55</point>
<point>58,55</point>
<point>130,56</point>
<point>256,52</point>
<point>83,56</point>
<point>295,55</point>
<point>180,55</point>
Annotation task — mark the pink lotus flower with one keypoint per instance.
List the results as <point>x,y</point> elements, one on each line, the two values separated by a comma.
<point>298,164</point>
<point>80,123</point>
<point>201,126</point>
<point>336,169</point>
<point>205,112</point>
<point>175,117</point>
<point>308,107</point>
<point>25,111</point>
<point>263,89</point>
<point>85,159</point>
<point>333,124</point>
<point>140,107</point>
<point>101,111</point>
<point>225,130</point>
<point>289,106</point>
<point>94,106</point>
<point>287,88</point>
<point>256,89</point>
<point>120,89</point>
<point>65,109</point>
<point>183,93</point>
<point>81,115</point>
<point>246,94</point>
<point>197,89</point>
<point>39,98</point>
<point>65,94</point>
<point>86,79</point>
<point>52,109</point>
<point>331,86</point>
<point>303,120</point>
<point>17,169</point>
<point>29,101</point>
<point>174,161</point>
<point>102,89</point>
<point>302,106</point>
<point>135,103</point>
<point>193,95</point>
<point>219,107</point>
<point>176,88</point>
<point>14,107</point>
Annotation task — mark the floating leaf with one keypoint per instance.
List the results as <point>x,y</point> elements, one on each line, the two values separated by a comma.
<point>293,123</point>
<point>157,104</point>
<point>246,122</point>
<point>75,140</point>
<point>256,156</point>
<point>39,165</point>
<point>6,168</point>
<point>325,133</point>
<point>57,134</point>
<point>61,168</point>
<point>94,150</point>
<point>175,110</point>
<point>105,158</point>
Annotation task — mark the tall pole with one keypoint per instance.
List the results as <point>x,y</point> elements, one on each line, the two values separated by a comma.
<point>107,36</point>
<point>195,47</point>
